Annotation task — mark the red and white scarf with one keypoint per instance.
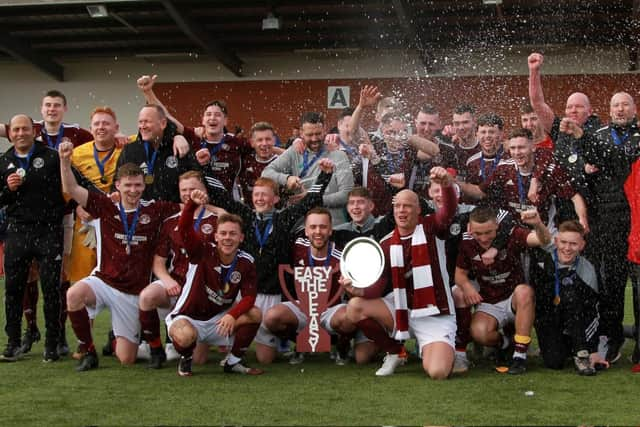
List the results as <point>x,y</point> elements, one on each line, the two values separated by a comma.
<point>424,297</point>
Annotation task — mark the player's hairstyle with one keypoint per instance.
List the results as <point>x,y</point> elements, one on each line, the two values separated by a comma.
<point>571,226</point>
<point>267,182</point>
<point>318,210</point>
<point>312,117</point>
<point>159,109</point>
<point>103,110</point>
<point>483,214</point>
<point>29,117</point>
<point>260,126</point>
<point>217,103</point>
<point>359,192</point>
<point>490,119</point>
<point>521,133</point>
<point>56,94</point>
<point>229,217</point>
<point>191,174</point>
<point>464,108</point>
<point>428,109</point>
<point>391,116</point>
<point>526,108</point>
<point>386,102</point>
<point>128,169</point>
<point>346,112</point>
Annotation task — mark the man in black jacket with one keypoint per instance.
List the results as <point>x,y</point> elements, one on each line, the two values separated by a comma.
<point>608,156</point>
<point>32,192</point>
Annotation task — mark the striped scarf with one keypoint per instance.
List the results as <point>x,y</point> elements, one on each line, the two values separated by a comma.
<point>424,298</point>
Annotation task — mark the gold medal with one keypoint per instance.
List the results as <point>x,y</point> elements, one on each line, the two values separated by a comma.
<point>103,179</point>
<point>226,288</point>
<point>128,249</point>
<point>556,300</point>
<point>148,179</point>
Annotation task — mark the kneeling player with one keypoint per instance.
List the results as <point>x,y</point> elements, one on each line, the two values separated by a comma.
<point>162,294</point>
<point>128,232</point>
<point>567,304</point>
<point>503,298</point>
<point>205,312</point>
<point>286,320</point>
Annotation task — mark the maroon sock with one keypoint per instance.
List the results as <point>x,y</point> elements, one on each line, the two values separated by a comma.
<point>375,332</point>
<point>150,324</point>
<point>243,337</point>
<point>82,328</point>
<point>64,287</point>
<point>344,343</point>
<point>185,351</point>
<point>463,322</point>
<point>30,304</point>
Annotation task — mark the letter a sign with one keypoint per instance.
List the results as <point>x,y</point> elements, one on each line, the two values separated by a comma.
<point>337,97</point>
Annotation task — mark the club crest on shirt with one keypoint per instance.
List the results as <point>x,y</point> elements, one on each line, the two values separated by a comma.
<point>235,278</point>
<point>226,147</point>
<point>454,229</point>
<point>206,228</point>
<point>38,162</point>
<point>171,162</point>
<point>145,219</point>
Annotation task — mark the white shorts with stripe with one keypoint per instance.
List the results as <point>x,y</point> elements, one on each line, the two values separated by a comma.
<point>123,307</point>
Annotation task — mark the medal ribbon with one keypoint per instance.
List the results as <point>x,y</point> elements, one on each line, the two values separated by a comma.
<point>521,193</point>
<point>230,270</point>
<point>557,273</point>
<point>352,152</point>
<point>25,162</point>
<point>129,230</point>
<point>196,224</point>
<point>104,161</point>
<point>213,148</point>
<point>327,260</point>
<point>262,237</point>
<point>616,139</point>
<point>306,164</point>
<point>496,160</point>
<point>150,161</point>
<point>59,136</point>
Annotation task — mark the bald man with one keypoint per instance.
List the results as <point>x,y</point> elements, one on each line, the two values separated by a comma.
<point>567,133</point>
<point>609,155</point>
<point>31,191</point>
<point>412,297</point>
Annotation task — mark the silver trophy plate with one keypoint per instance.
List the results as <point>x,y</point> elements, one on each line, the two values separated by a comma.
<point>362,262</point>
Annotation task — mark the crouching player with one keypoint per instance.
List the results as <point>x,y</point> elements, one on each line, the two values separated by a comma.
<point>128,233</point>
<point>286,320</point>
<point>205,312</point>
<point>502,298</point>
<point>161,295</point>
<point>567,304</point>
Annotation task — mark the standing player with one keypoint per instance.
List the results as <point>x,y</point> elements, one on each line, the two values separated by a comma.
<point>128,233</point>
<point>503,297</point>
<point>31,193</point>
<point>262,140</point>
<point>205,312</point>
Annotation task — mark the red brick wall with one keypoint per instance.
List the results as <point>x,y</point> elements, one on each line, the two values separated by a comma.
<point>282,102</point>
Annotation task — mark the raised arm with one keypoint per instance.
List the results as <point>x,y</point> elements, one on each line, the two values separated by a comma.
<point>540,235</point>
<point>536,96</point>
<point>69,183</point>
<point>145,84</point>
<point>369,96</point>
<point>192,242</point>
<point>444,216</point>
